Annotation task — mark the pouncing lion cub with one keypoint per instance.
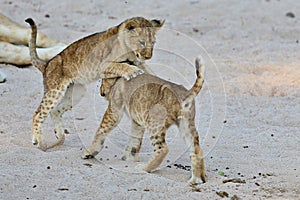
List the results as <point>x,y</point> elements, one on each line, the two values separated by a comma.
<point>154,104</point>
<point>98,56</point>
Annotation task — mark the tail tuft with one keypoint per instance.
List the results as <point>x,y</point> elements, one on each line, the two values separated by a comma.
<point>30,21</point>
<point>194,91</point>
<point>200,65</point>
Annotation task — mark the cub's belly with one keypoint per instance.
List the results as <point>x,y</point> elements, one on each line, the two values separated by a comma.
<point>88,74</point>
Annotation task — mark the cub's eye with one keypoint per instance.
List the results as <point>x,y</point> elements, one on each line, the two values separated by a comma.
<point>131,27</point>
<point>153,42</point>
<point>143,43</point>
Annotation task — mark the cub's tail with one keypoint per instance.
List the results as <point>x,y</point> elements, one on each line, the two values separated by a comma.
<point>200,67</point>
<point>36,61</point>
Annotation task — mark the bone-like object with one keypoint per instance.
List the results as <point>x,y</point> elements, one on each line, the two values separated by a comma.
<point>2,77</point>
<point>13,32</point>
<point>19,54</point>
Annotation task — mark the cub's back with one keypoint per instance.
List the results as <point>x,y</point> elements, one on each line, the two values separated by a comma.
<point>131,86</point>
<point>140,94</point>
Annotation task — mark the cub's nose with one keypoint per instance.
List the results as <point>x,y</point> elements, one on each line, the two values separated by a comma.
<point>148,56</point>
<point>147,53</point>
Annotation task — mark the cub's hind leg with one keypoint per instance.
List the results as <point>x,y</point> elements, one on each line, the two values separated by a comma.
<point>110,120</point>
<point>190,134</point>
<point>157,137</point>
<point>157,131</point>
<point>50,100</point>
<point>73,95</point>
<point>134,144</point>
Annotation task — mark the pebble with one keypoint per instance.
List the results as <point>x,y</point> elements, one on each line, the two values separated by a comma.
<point>290,14</point>
<point>195,30</point>
<point>180,166</point>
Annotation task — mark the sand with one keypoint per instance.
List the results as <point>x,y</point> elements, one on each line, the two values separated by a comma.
<point>248,112</point>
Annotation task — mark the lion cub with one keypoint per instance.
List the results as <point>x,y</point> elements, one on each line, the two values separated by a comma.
<point>154,104</point>
<point>101,55</point>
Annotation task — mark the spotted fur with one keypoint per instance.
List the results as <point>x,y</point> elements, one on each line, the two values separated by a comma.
<point>97,56</point>
<point>153,104</point>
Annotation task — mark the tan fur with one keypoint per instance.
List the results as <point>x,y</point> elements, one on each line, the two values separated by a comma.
<point>153,104</point>
<point>101,55</point>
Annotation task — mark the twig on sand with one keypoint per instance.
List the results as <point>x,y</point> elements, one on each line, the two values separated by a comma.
<point>234,180</point>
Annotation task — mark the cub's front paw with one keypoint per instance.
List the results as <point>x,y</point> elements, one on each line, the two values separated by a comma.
<point>133,73</point>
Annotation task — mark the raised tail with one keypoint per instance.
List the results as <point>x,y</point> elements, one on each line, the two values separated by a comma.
<point>200,67</point>
<point>36,61</point>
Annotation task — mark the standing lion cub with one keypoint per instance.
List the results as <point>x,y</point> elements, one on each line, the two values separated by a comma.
<point>154,104</point>
<point>98,56</point>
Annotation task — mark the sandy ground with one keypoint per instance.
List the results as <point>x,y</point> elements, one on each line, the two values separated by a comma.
<point>248,112</point>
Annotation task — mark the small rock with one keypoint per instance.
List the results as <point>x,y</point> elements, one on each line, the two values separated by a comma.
<point>79,118</point>
<point>63,189</point>
<point>195,30</point>
<point>222,194</point>
<point>234,197</point>
<point>88,164</point>
<point>132,189</point>
<point>47,16</point>
<point>290,14</point>
<point>234,180</point>
<point>195,189</point>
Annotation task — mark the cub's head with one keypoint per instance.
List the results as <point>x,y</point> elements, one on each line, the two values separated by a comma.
<point>137,35</point>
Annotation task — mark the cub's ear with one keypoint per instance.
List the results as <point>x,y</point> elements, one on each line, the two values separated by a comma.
<point>157,23</point>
